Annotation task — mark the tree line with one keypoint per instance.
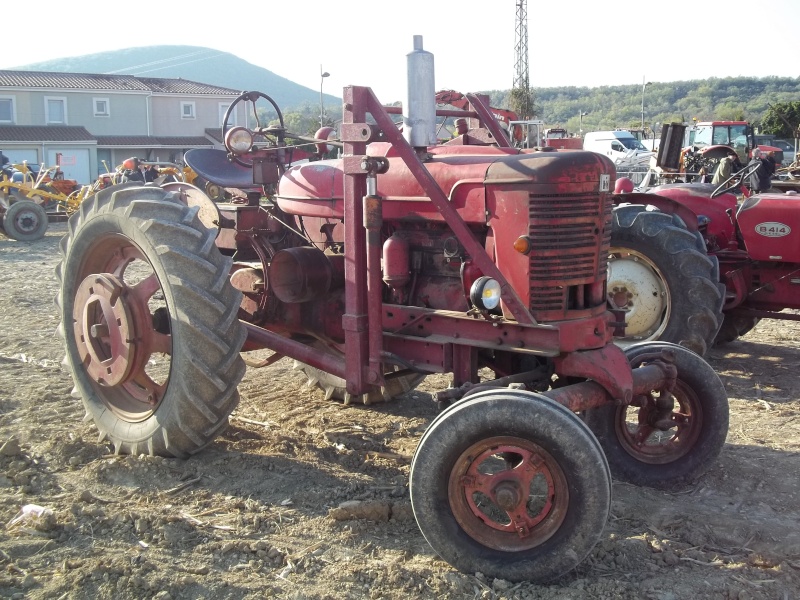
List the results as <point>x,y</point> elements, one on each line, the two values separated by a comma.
<point>757,100</point>
<point>770,103</point>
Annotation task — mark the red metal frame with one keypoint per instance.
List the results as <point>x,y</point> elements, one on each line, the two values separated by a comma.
<point>435,340</point>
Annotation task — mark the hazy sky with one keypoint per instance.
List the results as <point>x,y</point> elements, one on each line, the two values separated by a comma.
<point>571,42</point>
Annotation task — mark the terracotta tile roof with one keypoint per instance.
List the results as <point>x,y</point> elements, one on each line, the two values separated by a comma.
<point>46,133</point>
<point>152,141</point>
<point>91,81</point>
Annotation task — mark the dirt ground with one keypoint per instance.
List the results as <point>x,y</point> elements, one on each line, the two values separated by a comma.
<point>257,513</point>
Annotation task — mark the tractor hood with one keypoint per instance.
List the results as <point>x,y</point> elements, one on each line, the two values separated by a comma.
<point>462,172</point>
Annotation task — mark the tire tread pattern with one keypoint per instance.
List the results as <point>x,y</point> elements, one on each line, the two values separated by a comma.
<point>207,336</point>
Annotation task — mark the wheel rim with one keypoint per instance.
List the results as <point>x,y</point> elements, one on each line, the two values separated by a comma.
<point>508,493</point>
<point>27,221</point>
<point>663,426</point>
<point>121,328</point>
<point>636,286</point>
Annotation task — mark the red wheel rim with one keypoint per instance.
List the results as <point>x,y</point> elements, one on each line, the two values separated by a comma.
<point>656,434</point>
<point>508,493</point>
<point>121,335</point>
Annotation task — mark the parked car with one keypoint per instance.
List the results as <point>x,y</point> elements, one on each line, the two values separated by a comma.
<point>786,145</point>
<point>788,150</point>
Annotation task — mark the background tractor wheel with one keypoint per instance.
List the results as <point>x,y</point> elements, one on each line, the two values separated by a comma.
<point>25,221</point>
<point>150,322</point>
<point>734,327</point>
<point>660,275</point>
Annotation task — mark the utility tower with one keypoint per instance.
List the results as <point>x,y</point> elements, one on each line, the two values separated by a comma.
<point>521,94</point>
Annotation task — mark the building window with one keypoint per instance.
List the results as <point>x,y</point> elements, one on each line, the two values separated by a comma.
<point>101,107</point>
<point>223,108</point>
<point>187,110</point>
<point>55,110</point>
<point>7,109</point>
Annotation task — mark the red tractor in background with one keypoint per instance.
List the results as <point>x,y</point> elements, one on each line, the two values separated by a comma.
<point>397,260</point>
<point>557,137</point>
<point>507,118</point>
<point>706,142</point>
<point>754,244</point>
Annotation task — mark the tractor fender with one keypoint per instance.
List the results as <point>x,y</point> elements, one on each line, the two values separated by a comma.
<point>663,204</point>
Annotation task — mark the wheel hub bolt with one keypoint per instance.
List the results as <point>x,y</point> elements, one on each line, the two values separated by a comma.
<point>507,496</point>
<point>99,330</point>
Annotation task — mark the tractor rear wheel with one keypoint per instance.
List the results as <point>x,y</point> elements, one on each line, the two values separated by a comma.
<point>25,221</point>
<point>661,277</point>
<point>513,497</point>
<point>149,320</point>
<point>662,438</point>
<point>335,387</point>
<point>734,327</point>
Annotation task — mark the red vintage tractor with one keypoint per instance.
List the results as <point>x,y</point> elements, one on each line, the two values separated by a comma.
<point>756,242</point>
<point>375,269</point>
<point>752,245</point>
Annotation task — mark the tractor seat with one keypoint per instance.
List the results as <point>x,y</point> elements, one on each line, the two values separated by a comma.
<point>213,165</point>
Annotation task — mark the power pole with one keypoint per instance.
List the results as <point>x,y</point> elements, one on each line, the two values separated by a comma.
<point>521,94</point>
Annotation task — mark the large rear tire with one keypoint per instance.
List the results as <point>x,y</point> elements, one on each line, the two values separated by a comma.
<point>335,388</point>
<point>149,320</point>
<point>510,484</point>
<point>665,439</point>
<point>734,327</point>
<point>660,275</point>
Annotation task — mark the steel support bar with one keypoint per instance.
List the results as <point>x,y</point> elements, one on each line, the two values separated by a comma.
<point>355,319</point>
<point>588,394</point>
<point>258,338</point>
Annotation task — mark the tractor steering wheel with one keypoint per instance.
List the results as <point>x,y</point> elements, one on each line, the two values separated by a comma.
<point>272,136</point>
<point>735,180</point>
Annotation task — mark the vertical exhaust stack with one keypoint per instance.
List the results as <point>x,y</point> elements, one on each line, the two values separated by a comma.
<point>419,110</point>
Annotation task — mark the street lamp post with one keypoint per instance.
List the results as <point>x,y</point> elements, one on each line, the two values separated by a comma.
<point>644,85</point>
<point>581,114</point>
<point>322,76</point>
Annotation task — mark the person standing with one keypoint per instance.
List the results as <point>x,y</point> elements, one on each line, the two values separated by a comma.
<point>759,179</point>
<point>727,167</point>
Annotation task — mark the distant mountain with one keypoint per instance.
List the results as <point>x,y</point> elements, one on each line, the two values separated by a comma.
<point>195,63</point>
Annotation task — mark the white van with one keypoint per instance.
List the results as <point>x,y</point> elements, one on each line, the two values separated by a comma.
<point>619,146</point>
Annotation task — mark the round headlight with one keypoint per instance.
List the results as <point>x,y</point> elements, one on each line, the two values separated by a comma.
<point>485,293</point>
<point>239,140</point>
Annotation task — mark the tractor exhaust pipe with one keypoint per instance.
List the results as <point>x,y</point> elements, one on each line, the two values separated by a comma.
<point>419,110</point>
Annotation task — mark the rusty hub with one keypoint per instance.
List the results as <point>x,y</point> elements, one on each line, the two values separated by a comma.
<point>508,493</point>
<point>104,329</point>
<point>115,328</point>
<point>661,426</point>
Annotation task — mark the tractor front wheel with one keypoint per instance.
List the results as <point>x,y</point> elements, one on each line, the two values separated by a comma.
<point>149,320</point>
<point>665,438</point>
<point>510,484</point>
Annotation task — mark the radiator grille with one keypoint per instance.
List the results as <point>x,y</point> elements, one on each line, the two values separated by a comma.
<point>570,237</point>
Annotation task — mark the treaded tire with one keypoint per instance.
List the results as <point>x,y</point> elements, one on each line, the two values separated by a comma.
<point>734,327</point>
<point>25,221</point>
<point>560,444</point>
<point>334,387</point>
<point>205,335</point>
<point>689,311</point>
<point>699,419</point>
